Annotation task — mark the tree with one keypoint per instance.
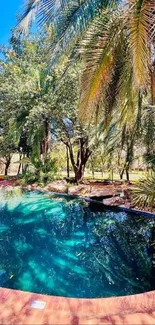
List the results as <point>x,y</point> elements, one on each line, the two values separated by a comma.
<point>66,127</point>
<point>25,96</point>
<point>37,100</point>
<point>8,144</point>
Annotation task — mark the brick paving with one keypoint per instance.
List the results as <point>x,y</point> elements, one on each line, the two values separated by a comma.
<point>16,308</point>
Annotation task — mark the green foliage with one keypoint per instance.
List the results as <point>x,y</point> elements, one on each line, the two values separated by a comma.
<point>28,178</point>
<point>8,144</point>
<point>144,193</point>
<point>40,171</point>
<point>39,105</point>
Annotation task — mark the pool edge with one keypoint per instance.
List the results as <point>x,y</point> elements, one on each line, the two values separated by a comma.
<point>16,308</point>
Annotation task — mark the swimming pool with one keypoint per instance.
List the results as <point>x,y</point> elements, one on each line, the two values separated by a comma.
<point>62,246</point>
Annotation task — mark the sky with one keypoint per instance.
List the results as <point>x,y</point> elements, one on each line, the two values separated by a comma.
<point>8,11</point>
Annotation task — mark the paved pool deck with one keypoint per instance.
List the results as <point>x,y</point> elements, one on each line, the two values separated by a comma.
<point>16,308</point>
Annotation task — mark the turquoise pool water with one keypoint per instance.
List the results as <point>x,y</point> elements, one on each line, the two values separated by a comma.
<point>67,247</point>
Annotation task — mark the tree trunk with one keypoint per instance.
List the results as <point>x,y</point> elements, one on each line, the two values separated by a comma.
<point>92,167</point>
<point>20,165</point>
<point>67,160</point>
<point>6,170</point>
<point>19,168</point>
<point>23,165</point>
<point>7,164</point>
<point>82,158</point>
<point>129,155</point>
<point>47,136</point>
<point>112,175</point>
<point>102,169</point>
<point>127,174</point>
<point>79,174</point>
<point>121,174</point>
<point>44,145</point>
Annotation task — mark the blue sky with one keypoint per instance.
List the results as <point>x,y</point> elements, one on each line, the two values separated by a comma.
<point>8,11</point>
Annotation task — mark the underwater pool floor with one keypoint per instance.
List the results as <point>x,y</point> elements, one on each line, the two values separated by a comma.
<point>21,307</point>
<point>17,307</point>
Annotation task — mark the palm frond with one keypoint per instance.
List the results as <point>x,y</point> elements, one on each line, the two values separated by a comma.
<point>127,97</point>
<point>141,20</point>
<point>98,50</point>
<point>30,10</point>
<point>68,18</point>
<point>112,91</point>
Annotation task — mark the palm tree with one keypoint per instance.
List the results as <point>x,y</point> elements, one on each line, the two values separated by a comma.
<point>119,58</point>
<point>118,48</point>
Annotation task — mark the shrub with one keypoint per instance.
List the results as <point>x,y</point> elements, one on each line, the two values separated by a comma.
<point>144,193</point>
<point>43,172</point>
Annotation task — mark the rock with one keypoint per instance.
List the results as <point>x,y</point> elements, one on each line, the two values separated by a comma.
<point>33,186</point>
<point>57,186</point>
<point>125,195</point>
<point>101,194</point>
<point>78,190</point>
<point>114,201</point>
<point>126,205</point>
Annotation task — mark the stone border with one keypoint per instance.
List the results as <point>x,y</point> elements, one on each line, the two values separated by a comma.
<point>111,207</point>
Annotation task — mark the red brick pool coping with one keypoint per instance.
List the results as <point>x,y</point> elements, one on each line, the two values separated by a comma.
<point>15,308</point>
